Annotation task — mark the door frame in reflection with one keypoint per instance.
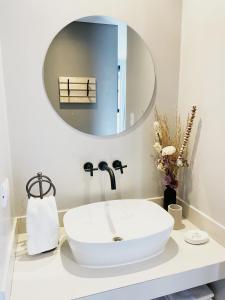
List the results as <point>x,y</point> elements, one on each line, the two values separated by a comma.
<point>122,77</point>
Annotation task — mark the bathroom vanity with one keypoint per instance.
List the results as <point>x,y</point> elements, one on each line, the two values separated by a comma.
<point>57,276</point>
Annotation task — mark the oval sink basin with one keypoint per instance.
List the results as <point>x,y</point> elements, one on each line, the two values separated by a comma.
<point>117,232</point>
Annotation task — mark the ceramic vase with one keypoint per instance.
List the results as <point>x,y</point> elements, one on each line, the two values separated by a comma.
<point>170,197</point>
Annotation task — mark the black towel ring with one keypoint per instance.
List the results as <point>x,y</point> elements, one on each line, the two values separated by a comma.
<point>39,179</point>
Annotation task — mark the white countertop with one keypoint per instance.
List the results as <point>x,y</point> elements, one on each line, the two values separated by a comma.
<point>56,276</point>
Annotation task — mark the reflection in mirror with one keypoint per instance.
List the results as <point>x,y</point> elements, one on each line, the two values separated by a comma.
<point>99,75</point>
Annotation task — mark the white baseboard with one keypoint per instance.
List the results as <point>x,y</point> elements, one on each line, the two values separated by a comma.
<point>5,289</point>
<point>203,221</point>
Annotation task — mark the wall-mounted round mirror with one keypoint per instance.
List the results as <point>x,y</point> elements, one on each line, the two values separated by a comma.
<point>99,75</point>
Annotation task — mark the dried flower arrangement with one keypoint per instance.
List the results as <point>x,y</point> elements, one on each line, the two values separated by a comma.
<point>171,151</point>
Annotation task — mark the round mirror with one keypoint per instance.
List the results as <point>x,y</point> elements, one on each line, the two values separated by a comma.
<point>99,75</point>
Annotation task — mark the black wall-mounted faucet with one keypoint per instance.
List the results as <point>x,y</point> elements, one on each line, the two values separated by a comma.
<point>117,165</point>
<point>88,167</point>
<point>103,166</point>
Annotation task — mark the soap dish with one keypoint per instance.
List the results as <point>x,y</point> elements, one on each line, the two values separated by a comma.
<point>196,237</point>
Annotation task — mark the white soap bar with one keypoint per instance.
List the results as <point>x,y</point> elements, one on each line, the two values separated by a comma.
<point>196,237</point>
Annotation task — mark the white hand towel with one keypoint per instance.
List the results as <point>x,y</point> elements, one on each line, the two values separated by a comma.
<point>42,225</point>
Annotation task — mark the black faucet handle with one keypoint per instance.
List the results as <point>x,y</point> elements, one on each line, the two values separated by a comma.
<point>88,167</point>
<point>117,165</point>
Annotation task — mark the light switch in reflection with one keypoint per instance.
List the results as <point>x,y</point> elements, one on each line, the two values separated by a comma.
<point>4,192</point>
<point>131,119</point>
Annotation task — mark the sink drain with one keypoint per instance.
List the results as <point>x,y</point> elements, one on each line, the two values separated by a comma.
<point>117,239</point>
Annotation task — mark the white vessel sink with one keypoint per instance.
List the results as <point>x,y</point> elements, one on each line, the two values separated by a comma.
<point>117,232</point>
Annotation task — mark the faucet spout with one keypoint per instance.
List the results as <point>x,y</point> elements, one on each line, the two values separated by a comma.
<point>112,178</point>
<point>103,166</point>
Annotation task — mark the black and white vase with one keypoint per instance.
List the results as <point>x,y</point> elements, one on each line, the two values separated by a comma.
<point>170,197</point>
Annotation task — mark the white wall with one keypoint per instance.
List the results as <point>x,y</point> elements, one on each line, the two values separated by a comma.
<point>5,172</point>
<point>41,140</point>
<point>202,82</point>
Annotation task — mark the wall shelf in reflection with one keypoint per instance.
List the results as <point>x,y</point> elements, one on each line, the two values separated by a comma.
<point>77,89</point>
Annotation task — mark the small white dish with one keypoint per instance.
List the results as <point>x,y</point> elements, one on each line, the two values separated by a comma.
<point>196,237</point>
